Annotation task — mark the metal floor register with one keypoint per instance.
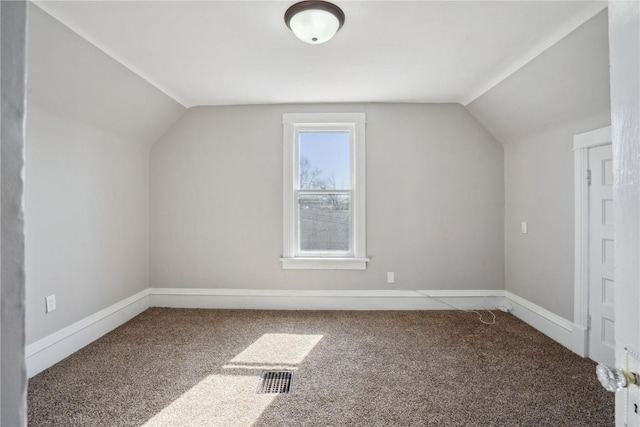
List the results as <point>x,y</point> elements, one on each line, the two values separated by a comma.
<point>276,382</point>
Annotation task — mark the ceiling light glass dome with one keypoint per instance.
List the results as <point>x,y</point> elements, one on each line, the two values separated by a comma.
<point>314,22</point>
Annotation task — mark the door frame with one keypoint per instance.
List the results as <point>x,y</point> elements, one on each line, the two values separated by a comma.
<point>581,144</point>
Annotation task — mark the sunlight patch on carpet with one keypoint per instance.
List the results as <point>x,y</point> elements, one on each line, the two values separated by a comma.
<point>231,400</point>
<point>218,400</point>
<point>262,367</point>
<point>274,349</point>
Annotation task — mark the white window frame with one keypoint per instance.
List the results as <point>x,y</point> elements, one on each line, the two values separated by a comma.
<point>292,257</point>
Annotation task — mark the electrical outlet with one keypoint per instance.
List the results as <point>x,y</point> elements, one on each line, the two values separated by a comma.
<point>391,277</point>
<point>50,303</point>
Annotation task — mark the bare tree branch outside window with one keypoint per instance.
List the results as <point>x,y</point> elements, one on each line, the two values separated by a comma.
<point>309,175</point>
<point>311,178</point>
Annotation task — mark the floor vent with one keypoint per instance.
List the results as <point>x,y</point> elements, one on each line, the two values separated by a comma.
<point>276,382</point>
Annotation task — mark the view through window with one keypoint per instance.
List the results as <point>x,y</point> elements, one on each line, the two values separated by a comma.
<point>324,191</point>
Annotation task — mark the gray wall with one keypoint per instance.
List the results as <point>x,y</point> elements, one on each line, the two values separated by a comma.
<point>90,126</point>
<point>13,376</point>
<point>444,198</point>
<point>435,201</point>
<point>535,113</point>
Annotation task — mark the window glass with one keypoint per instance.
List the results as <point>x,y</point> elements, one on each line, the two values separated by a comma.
<point>324,188</point>
<point>325,161</point>
<point>325,221</point>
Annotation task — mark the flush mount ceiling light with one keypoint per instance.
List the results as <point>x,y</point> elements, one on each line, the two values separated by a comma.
<point>314,21</point>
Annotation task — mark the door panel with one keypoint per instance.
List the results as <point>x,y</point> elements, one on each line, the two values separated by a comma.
<point>601,256</point>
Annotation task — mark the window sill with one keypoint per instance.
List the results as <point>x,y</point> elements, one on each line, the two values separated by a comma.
<point>324,263</point>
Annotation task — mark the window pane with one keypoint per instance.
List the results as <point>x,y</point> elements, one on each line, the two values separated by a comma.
<point>325,161</point>
<point>325,222</point>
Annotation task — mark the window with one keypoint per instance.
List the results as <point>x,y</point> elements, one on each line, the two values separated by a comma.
<point>324,191</point>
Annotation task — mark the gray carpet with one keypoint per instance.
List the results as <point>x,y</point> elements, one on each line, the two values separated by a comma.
<point>175,367</point>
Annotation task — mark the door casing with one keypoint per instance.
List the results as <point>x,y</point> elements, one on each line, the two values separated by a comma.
<point>581,145</point>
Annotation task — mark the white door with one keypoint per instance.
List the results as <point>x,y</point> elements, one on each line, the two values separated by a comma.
<point>601,256</point>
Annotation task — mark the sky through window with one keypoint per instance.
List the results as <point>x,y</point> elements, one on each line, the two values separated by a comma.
<point>327,164</point>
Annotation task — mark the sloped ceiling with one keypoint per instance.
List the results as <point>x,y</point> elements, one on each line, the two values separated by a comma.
<point>241,52</point>
<point>569,82</point>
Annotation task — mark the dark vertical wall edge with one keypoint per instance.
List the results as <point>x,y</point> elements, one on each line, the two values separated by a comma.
<point>13,378</point>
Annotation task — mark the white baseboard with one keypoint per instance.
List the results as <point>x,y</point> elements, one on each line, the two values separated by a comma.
<point>50,350</point>
<point>580,340</point>
<point>325,300</point>
<point>55,347</point>
<point>555,327</point>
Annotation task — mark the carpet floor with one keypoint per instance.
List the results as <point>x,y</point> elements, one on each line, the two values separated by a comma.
<point>184,367</point>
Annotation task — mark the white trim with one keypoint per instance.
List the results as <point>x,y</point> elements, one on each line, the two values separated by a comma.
<point>527,56</point>
<point>53,348</point>
<point>581,242</point>
<point>261,299</point>
<point>324,263</point>
<point>581,144</point>
<point>288,172</point>
<point>360,191</point>
<point>292,258</point>
<point>555,327</point>
<point>592,138</point>
<point>323,118</point>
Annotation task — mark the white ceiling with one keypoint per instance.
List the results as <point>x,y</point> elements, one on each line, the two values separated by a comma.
<point>241,52</point>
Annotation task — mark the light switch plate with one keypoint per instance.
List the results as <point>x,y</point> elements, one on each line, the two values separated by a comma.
<point>50,303</point>
<point>523,227</point>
